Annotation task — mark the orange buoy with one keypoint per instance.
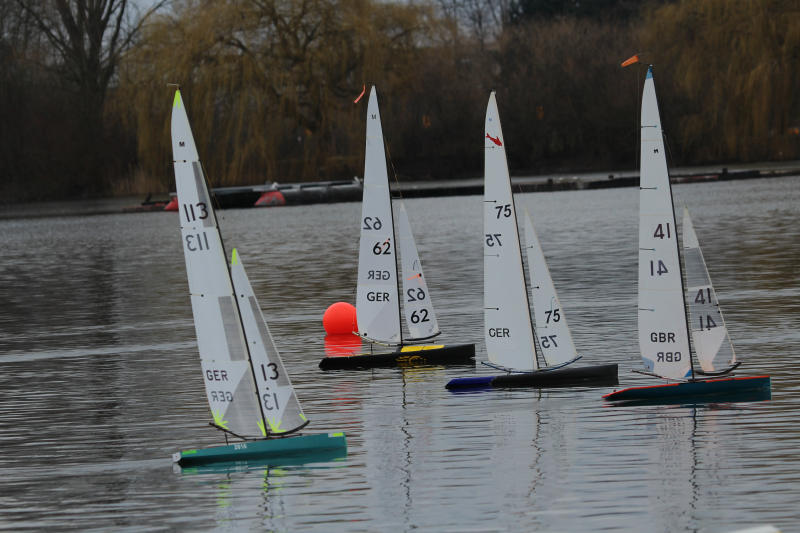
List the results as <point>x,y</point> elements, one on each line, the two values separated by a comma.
<point>340,318</point>
<point>270,198</point>
<point>172,205</point>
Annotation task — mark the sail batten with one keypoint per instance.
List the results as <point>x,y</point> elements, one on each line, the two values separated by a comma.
<point>663,334</point>
<point>507,325</point>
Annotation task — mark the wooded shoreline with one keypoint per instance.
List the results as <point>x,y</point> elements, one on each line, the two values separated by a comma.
<point>270,87</point>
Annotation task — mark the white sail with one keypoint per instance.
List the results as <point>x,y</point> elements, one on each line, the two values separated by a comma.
<point>230,388</point>
<point>710,338</point>
<point>555,340</point>
<point>282,411</point>
<point>377,305</point>
<point>663,337</point>
<point>417,305</point>
<point>506,316</point>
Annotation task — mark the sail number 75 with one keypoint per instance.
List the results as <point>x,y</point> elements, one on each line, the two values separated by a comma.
<point>504,210</point>
<point>554,314</point>
<point>548,340</point>
<point>493,238</point>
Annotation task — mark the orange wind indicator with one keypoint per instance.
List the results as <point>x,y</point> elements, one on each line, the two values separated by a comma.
<point>631,60</point>
<point>415,276</point>
<point>363,90</point>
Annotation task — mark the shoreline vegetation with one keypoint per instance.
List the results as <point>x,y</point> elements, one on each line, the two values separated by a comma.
<point>270,84</point>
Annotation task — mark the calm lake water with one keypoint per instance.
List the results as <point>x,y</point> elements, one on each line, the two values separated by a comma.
<point>100,378</point>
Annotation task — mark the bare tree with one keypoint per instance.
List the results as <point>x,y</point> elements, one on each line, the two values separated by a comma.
<point>88,39</point>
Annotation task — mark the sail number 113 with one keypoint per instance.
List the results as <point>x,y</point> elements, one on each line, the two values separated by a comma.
<point>191,215</point>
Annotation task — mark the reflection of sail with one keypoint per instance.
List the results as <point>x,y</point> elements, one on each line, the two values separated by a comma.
<point>516,432</point>
<point>396,434</point>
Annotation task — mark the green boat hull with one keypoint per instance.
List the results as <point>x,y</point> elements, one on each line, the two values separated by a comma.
<point>279,449</point>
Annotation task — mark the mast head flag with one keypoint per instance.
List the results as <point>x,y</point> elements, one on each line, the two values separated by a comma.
<point>363,90</point>
<point>630,61</point>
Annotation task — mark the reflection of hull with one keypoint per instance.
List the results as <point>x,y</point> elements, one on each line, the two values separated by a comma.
<point>278,449</point>
<point>226,467</point>
<point>438,354</point>
<point>585,376</point>
<point>710,390</point>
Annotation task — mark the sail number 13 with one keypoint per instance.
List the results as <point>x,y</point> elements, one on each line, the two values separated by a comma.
<point>270,399</point>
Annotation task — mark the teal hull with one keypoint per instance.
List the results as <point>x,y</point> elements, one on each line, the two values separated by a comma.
<point>281,450</point>
<point>711,390</point>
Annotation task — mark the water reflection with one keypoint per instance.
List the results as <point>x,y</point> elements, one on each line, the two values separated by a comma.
<point>100,378</point>
<point>343,345</point>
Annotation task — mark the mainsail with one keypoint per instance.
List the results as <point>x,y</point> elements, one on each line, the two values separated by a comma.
<point>417,305</point>
<point>663,336</point>
<point>710,338</point>
<point>555,339</point>
<point>231,389</point>
<point>507,321</point>
<point>377,305</point>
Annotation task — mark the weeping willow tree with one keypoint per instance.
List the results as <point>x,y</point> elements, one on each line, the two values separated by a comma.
<point>732,77</point>
<point>562,75</point>
<point>269,84</point>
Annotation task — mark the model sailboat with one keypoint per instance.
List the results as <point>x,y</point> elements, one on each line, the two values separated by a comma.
<point>531,356</point>
<point>248,389</point>
<point>663,330</point>
<point>378,301</point>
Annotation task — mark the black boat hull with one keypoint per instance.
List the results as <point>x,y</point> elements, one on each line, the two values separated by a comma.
<point>455,354</point>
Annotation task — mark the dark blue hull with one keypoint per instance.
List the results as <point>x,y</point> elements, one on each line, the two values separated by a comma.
<point>585,376</point>
<point>721,390</point>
